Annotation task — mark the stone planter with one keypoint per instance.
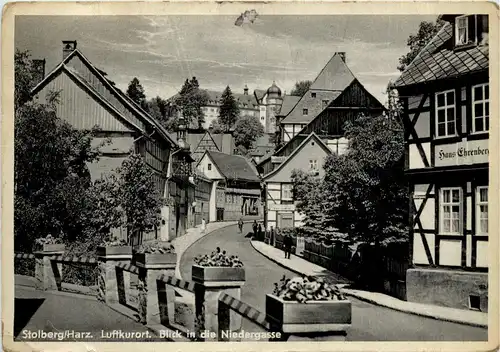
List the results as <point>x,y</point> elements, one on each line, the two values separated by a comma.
<point>217,273</point>
<point>310,317</point>
<point>48,248</point>
<point>105,251</point>
<point>155,259</point>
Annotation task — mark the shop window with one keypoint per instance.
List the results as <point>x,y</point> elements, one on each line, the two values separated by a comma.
<point>480,108</point>
<point>445,114</point>
<point>450,210</point>
<point>482,211</point>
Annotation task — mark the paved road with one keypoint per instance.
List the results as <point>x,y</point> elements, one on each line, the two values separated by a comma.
<point>37,310</point>
<point>370,322</point>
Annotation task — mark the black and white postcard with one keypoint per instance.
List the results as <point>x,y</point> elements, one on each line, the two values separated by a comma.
<point>276,175</point>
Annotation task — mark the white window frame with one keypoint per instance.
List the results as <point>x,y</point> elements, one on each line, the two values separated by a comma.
<point>313,164</point>
<point>445,108</point>
<point>466,38</point>
<point>283,190</point>
<point>480,203</point>
<point>486,112</point>
<point>442,205</point>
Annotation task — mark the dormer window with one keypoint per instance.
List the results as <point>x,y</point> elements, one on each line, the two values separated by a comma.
<point>462,30</point>
<point>470,30</point>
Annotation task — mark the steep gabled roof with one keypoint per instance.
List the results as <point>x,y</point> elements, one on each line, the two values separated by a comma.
<point>438,60</point>
<point>100,75</point>
<point>233,167</point>
<point>247,101</point>
<point>289,102</point>
<point>296,151</point>
<point>329,84</point>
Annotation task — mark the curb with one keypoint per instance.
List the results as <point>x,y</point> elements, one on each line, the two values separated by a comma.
<point>372,301</point>
<point>274,260</point>
<point>229,223</point>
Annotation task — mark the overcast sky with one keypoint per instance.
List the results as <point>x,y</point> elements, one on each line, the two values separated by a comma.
<point>162,51</point>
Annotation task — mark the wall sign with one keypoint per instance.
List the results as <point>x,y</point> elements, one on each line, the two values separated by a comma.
<point>278,159</point>
<point>281,207</point>
<point>462,153</point>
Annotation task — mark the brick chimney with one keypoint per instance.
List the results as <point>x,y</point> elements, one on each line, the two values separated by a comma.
<point>245,90</point>
<point>38,70</point>
<point>342,56</point>
<point>68,47</point>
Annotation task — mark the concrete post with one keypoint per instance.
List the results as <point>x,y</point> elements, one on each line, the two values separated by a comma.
<point>207,308</point>
<point>114,282</point>
<point>48,273</point>
<point>156,298</point>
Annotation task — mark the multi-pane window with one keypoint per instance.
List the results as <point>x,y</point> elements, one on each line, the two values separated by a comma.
<point>286,191</point>
<point>462,30</point>
<point>480,108</point>
<point>209,166</point>
<point>313,164</point>
<point>451,203</point>
<point>445,114</point>
<point>482,210</point>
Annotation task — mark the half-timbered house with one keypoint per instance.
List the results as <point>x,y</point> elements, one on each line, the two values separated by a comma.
<point>236,186</point>
<point>445,98</point>
<point>334,98</point>
<point>87,98</point>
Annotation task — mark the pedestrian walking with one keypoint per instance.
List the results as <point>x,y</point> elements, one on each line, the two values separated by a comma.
<point>254,228</point>
<point>240,225</point>
<point>287,245</point>
<point>259,231</point>
<point>203,226</point>
<point>271,237</point>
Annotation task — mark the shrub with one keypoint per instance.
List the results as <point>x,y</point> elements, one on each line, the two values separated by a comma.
<point>218,258</point>
<point>307,288</point>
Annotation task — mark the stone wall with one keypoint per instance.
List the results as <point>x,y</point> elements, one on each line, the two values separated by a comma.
<point>447,288</point>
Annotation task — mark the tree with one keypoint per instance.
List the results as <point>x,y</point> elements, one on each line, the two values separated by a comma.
<point>50,174</point>
<point>158,108</point>
<point>190,101</point>
<point>301,88</point>
<point>247,130</point>
<point>23,78</point>
<point>215,127</point>
<point>135,91</point>
<point>229,110</point>
<point>365,190</point>
<point>139,197</point>
<point>416,42</point>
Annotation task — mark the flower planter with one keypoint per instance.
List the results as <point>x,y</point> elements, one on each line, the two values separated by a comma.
<point>49,248</point>
<point>313,316</point>
<point>104,251</point>
<point>217,273</point>
<point>145,259</point>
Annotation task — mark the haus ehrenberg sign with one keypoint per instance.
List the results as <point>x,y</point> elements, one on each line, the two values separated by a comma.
<point>462,153</point>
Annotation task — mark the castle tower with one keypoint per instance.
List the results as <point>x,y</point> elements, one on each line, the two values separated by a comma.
<point>273,106</point>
